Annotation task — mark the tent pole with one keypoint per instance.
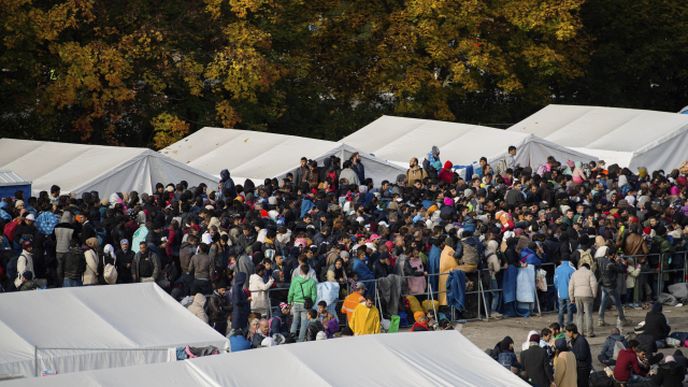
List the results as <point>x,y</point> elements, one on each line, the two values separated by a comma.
<point>35,361</point>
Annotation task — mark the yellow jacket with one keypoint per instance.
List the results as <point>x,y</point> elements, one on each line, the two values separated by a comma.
<point>365,321</point>
<point>351,301</point>
<point>447,264</point>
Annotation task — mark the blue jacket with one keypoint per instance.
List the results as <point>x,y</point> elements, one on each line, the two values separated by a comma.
<point>456,284</point>
<point>530,257</point>
<point>362,270</point>
<point>562,276</point>
<point>434,265</point>
<point>509,284</point>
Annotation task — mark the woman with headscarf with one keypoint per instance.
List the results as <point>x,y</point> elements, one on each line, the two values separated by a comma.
<point>656,325</point>
<point>493,266</point>
<point>565,372</point>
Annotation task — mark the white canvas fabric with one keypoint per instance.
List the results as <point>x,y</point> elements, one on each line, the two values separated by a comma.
<point>76,329</point>
<point>260,155</point>
<point>629,137</point>
<point>444,358</point>
<point>397,139</point>
<point>81,168</point>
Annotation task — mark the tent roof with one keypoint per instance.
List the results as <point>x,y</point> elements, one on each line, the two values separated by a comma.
<point>256,155</point>
<point>8,178</point>
<point>78,167</point>
<point>400,138</point>
<point>413,358</point>
<point>606,128</point>
<point>117,317</point>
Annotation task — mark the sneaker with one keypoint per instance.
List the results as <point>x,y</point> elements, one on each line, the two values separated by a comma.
<point>601,323</point>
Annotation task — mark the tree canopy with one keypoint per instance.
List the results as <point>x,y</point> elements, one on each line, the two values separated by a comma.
<point>147,72</point>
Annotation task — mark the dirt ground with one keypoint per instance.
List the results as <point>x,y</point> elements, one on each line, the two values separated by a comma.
<point>485,334</point>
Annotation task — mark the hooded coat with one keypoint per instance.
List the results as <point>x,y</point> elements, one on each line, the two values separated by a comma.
<point>197,307</point>
<point>227,184</point>
<point>240,303</point>
<point>447,264</point>
<point>365,321</point>
<point>446,174</point>
<point>656,323</point>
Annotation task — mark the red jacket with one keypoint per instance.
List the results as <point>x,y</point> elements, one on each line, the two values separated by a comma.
<point>626,362</point>
<point>446,174</point>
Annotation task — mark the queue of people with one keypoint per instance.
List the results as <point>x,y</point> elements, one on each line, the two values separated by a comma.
<point>265,255</point>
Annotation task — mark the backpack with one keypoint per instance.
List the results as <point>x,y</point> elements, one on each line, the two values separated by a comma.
<point>608,273</point>
<point>9,229</point>
<point>429,169</point>
<point>109,272</point>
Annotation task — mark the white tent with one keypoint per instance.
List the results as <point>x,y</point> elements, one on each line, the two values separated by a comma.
<point>628,137</point>
<point>79,168</point>
<point>259,155</point>
<point>400,138</point>
<point>444,358</point>
<point>76,329</point>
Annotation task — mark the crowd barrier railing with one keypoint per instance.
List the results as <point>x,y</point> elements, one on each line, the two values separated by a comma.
<point>484,293</point>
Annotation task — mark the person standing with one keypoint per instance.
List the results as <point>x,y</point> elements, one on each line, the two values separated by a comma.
<point>146,267</point>
<point>366,318</point>
<point>74,265</point>
<point>240,303</point>
<point>259,290</point>
<point>90,276</point>
<point>565,373</point>
<point>582,291</point>
<point>535,362</point>
<point>414,173</point>
<point>218,308</point>
<point>357,166</point>
<point>562,278</point>
<point>302,287</point>
<point>610,269</point>
<point>581,349</point>
<point>24,263</point>
<point>125,258</point>
<point>199,266</point>
<point>352,300</point>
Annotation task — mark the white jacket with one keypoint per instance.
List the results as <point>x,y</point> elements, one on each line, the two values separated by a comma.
<point>24,263</point>
<point>259,293</point>
<point>90,276</point>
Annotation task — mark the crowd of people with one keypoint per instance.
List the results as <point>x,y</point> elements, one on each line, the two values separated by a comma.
<point>562,357</point>
<point>325,250</point>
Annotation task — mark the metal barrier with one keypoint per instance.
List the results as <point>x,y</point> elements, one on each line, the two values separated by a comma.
<point>483,308</point>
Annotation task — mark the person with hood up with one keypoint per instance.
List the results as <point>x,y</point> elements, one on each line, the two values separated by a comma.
<point>366,318</point>
<point>447,264</point>
<point>565,369</point>
<point>301,288</point>
<point>197,307</point>
<point>240,303</point>
<point>446,174</point>
<point>656,325</point>
<point>505,355</point>
<point>226,186</point>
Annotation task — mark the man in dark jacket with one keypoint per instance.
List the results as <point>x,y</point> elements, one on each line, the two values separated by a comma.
<point>610,269</point>
<point>240,302</point>
<point>226,186</point>
<point>73,266</point>
<point>125,258</point>
<point>656,325</point>
<point>580,348</point>
<point>146,267</point>
<point>218,308</point>
<point>535,362</point>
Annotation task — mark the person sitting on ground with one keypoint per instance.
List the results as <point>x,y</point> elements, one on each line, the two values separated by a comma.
<point>535,362</point>
<point>261,333</point>
<point>669,373</point>
<point>314,326</point>
<point>545,338</point>
<point>331,324</point>
<point>606,355</point>
<point>557,332</point>
<point>421,323</point>
<point>656,325</point>
<point>628,367</point>
<point>503,352</point>
<point>280,323</point>
<point>28,283</point>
